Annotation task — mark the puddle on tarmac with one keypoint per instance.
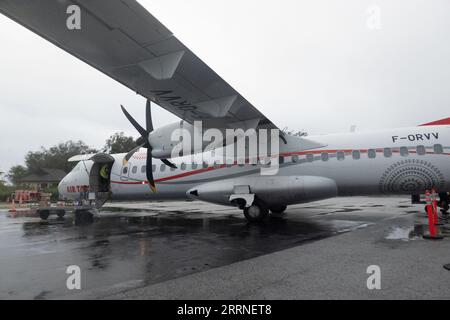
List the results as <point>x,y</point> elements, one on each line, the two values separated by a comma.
<point>405,233</point>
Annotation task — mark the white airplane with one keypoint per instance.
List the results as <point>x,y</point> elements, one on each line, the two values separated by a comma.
<point>123,40</point>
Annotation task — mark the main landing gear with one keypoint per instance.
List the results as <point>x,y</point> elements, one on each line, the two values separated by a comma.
<point>259,211</point>
<point>444,202</point>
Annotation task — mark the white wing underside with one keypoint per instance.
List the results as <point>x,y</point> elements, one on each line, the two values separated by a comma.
<point>123,40</point>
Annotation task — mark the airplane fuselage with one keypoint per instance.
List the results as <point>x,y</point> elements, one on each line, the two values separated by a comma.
<point>388,162</point>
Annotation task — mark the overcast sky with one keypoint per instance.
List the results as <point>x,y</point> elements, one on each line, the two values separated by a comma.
<point>306,64</point>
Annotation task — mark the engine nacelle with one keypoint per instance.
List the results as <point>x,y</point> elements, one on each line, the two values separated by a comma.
<point>274,191</point>
<point>165,139</point>
<point>161,139</point>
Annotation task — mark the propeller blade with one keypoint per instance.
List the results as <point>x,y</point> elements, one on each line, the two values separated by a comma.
<point>169,164</point>
<point>130,154</point>
<point>135,124</point>
<point>150,179</point>
<point>148,117</point>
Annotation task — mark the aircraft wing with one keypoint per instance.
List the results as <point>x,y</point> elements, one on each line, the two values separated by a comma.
<point>123,40</point>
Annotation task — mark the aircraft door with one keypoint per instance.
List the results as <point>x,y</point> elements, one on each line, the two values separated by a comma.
<point>100,179</point>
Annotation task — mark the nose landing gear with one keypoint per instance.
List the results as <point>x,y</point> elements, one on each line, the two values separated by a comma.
<point>83,217</point>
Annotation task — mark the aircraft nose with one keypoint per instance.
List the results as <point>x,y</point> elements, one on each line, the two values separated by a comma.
<point>62,188</point>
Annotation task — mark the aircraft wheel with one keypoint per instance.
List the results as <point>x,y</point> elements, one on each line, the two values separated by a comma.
<point>445,207</point>
<point>257,212</point>
<point>83,217</point>
<point>278,210</point>
<point>61,213</point>
<point>44,214</point>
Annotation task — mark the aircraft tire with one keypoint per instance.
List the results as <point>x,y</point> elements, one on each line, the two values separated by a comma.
<point>256,213</point>
<point>278,210</point>
<point>83,217</point>
<point>61,213</point>
<point>445,207</point>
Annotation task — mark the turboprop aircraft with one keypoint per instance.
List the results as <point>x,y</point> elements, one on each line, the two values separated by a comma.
<point>123,40</point>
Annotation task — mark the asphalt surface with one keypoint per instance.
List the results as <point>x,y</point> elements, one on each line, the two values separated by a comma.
<point>193,250</point>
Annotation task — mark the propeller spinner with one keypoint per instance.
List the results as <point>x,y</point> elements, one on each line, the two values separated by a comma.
<point>144,142</point>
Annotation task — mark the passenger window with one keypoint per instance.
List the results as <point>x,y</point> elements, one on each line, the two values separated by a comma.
<point>163,168</point>
<point>134,170</point>
<point>144,169</point>
<point>183,166</point>
<point>404,152</point>
<point>421,151</point>
<point>341,156</point>
<point>310,157</point>
<point>356,155</point>
<point>372,153</point>
<point>438,149</point>
<point>388,152</point>
<point>325,156</point>
<point>125,170</point>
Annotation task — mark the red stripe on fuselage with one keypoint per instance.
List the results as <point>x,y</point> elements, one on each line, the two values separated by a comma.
<point>192,173</point>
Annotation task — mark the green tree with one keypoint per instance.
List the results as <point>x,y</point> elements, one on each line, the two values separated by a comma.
<point>119,143</point>
<point>5,190</point>
<point>16,173</point>
<point>56,157</point>
<point>2,181</point>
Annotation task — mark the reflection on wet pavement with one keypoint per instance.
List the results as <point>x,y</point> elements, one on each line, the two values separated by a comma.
<point>132,247</point>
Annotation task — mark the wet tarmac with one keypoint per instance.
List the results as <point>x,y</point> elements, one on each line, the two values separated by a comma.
<point>127,247</point>
<point>135,245</point>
